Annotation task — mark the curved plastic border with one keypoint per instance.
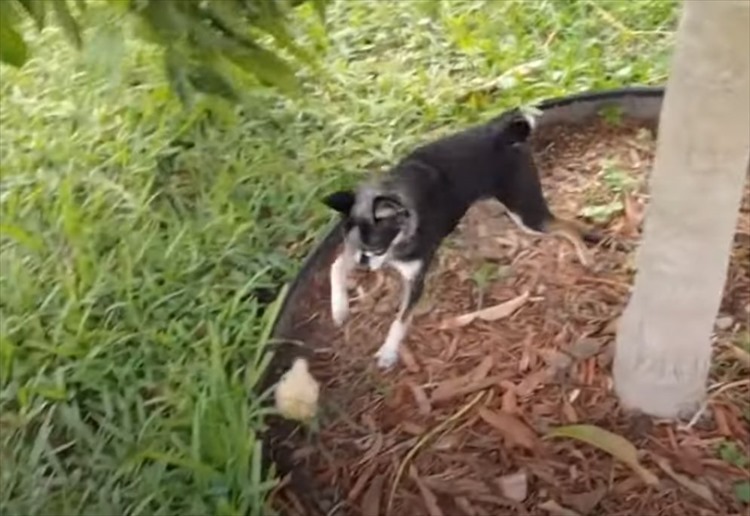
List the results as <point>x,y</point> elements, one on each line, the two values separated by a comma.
<point>642,102</point>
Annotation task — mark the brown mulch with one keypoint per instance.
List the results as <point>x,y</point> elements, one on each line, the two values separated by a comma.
<point>456,428</point>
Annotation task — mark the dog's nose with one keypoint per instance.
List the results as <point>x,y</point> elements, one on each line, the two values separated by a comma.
<point>363,259</point>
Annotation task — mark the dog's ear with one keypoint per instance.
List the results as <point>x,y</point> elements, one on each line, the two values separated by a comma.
<point>341,201</point>
<point>518,129</point>
<point>385,207</point>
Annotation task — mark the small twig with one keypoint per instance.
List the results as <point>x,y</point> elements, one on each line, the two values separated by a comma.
<point>334,407</point>
<point>717,389</point>
<point>423,440</point>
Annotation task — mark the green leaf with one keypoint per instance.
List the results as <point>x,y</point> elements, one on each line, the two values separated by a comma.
<point>266,66</point>
<point>431,8</point>
<point>614,444</point>
<point>731,453</point>
<point>10,14</point>
<point>166,20</point>
<point>175,66</point>
<point>209,80</point>
<point>250,57</point>
<point>36,9</point>
<point>601,213</point>
<point>269,19</point>
<point>67,22</point>
<point>320,8</point>
<point>742,491</point>
<point>12,47</point>
<point>612,114</point>
<point>7,354</point>
<point>21,236</point>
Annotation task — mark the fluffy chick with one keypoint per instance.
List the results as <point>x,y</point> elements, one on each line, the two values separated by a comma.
<point>297,393</point>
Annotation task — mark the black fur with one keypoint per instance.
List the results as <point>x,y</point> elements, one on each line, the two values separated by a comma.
<point>341,201</point>
<point>443,179</point>
<point>427,193</point>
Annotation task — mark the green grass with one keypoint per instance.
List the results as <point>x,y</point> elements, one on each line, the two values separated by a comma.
<point>140,243</point>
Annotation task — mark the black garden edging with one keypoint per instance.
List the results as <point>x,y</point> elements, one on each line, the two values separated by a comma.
<point>634,102</point>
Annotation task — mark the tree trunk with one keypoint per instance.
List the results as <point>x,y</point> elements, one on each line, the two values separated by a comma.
<point>663,348</point>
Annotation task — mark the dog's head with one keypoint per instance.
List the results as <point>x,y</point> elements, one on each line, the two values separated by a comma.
<point>373,221</point>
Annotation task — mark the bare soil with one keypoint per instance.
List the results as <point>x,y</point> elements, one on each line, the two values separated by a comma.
<point>457,427</point>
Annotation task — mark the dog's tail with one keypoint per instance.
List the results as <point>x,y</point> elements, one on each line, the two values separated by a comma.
<point>513,126</point>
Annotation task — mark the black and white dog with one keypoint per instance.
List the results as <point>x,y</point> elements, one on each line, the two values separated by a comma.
<point>401,218</point>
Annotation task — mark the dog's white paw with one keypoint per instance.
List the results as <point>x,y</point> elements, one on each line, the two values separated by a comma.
<point>339,308</point>
<point>386,358</point>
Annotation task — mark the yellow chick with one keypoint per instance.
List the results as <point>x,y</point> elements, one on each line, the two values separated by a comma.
<point>297,393</point>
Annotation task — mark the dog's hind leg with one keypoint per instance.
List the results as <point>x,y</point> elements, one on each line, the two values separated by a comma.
<point>521,194</point>
<point>340,269</point>
<point>413,276</point>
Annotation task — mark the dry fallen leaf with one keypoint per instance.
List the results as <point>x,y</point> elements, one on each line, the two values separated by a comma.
<point>492,313</point>
<point>585,503</point>
<point>371,499</point>
<point>614,444</point>
<point>556,509</point>
<point>586,348</point>
<point>525,363</point>
<point>412,428</point>
<point>509,402</point>
<point>407,358</point>
<point>514,486</point>
<point>515,431</point>
<point>465,506</point>
<point>423,403</point>
<point>445,388</point>
<point>742,356</point>
<point>446,442</point>
<point>469,388</point>
<point>361,482</point>
<point>569,412</point>
<point>429,498</point>
<point>556,359</point>
<point>611,327</point>
<point>694,487</point>
<point>721,419</point>
<point>633,215</point>
<point>483,369</point>
<point>532,382</point>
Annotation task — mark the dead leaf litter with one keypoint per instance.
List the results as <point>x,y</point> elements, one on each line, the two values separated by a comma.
<point>536,355</point>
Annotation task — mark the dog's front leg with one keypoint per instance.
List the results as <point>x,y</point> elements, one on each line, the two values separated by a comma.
<point>340,270</point>
<point>413,275</point>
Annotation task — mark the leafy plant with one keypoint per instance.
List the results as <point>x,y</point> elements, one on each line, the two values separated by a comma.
<point>482,277</point>
<point>742,491</point>
<point>732,454</point>
<point>611,114</point>
<point>617,179</point>
<point>602,213</point>
<point>216,47</point>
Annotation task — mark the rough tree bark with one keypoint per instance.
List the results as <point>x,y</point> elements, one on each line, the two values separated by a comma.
<point>663,347</point>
